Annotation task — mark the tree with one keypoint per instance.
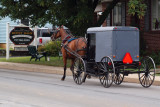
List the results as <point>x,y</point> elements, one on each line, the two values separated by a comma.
<point>77,15</point>
<point>137,8</point>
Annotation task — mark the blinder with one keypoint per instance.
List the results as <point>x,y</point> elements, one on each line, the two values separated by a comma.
<point>54,34</point>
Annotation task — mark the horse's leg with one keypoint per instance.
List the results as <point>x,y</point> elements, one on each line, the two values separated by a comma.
<point>65,63</point>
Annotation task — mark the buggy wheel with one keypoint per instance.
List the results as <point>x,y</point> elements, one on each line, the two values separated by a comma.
<point>147,72</point>
<point>79,71</point>
<point>118,78</point>
<point>106,71</point>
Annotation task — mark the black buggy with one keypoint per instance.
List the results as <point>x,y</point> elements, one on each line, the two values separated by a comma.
<point>112,53</point>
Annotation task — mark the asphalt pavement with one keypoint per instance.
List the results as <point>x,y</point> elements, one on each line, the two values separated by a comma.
<point>35,89</point>
<point>132,78</point>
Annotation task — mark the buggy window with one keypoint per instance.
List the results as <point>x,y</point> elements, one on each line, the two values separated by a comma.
<point>91,47</point>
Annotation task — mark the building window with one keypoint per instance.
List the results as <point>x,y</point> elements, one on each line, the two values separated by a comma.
<point>155,14</point>
<point>117,15</point>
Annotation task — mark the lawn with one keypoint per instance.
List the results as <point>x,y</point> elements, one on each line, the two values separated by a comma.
<point>54,61</point>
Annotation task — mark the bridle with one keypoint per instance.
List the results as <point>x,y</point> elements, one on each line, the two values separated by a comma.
<point>54,35</point>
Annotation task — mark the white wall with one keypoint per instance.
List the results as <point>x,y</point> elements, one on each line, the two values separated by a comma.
<point>3,28</point>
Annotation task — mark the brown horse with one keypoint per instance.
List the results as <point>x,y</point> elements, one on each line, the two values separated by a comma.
<point>69,49</point>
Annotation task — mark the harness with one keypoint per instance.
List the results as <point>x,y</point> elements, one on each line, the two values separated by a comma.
<point>68,39</point>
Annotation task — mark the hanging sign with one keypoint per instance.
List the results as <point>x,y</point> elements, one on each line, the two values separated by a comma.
<point>21,35</point>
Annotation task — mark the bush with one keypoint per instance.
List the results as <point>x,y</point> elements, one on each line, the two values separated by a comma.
<point>41,48</point>
<point>52,48</point>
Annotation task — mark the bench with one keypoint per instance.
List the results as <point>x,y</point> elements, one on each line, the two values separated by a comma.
<point>60,54</point>
<point>34,53</point>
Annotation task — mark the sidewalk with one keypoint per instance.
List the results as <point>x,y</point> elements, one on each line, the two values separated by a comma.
<point>59,70</point>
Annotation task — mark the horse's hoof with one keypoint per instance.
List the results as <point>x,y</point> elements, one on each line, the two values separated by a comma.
<point>88,76</point>
<point>84,81</point>
<point>62,79</point>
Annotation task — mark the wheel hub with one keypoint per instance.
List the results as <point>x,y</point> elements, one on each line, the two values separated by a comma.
<point>146,74</point>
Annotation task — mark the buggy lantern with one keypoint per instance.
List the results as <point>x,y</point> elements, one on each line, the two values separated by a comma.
<point>127,58</point>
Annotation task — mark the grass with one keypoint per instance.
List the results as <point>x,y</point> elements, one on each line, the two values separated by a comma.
<point>5,49</point>
<point>54,61</point>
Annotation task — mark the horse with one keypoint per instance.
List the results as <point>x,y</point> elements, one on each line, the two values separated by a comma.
<point>70,46</point>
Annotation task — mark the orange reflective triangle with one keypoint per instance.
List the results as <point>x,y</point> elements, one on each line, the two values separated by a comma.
<point>127,58</point>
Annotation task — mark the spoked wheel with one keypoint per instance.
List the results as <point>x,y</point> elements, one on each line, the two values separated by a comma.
<point>107,71</point>
<point>147,72</point>
<point>118,78</point>
<point>79,71</point>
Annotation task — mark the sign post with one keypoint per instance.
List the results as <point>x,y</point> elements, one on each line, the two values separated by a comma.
<point>35,34</point>
<point>7,41</point>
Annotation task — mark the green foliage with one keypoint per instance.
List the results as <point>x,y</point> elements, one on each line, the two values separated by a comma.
<point>52,48</point>
<point>41,48</point>
<point>77,15</point>
<point>137,7</point>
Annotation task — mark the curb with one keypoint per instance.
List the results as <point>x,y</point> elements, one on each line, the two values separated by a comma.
<point>33,68</point>
<point>58,70</point>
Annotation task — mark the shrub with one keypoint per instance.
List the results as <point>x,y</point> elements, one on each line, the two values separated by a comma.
<point>41,48</point>
<point>52,48</point>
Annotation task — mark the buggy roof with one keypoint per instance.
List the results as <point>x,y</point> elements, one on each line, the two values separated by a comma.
<point>112,28</point>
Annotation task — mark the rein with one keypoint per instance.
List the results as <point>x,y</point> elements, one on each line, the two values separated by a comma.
<point>66,38</point>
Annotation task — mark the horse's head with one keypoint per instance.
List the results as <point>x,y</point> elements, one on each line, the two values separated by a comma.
<point>56,34</point>
<point>60,32</point>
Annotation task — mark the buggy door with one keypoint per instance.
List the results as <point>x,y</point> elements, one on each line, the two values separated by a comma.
<point>126,41</point>
<point>91,47</point>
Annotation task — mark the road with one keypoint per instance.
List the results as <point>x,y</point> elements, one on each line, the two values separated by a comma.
<point>30,89</point>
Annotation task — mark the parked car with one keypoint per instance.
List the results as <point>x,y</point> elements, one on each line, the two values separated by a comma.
<point>44,35</point>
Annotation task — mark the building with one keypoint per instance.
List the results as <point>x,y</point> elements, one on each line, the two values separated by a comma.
<point>3,30</point>
<point>150,24</point>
